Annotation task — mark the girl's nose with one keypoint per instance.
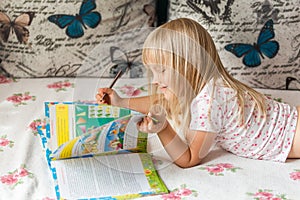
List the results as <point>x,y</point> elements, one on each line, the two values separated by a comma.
<point>155,79</point>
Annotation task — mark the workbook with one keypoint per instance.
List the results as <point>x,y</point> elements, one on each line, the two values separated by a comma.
<point>96,152</point>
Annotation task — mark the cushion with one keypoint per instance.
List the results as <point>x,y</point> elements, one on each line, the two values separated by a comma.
<point>56,38</point>
<point>236,26</point>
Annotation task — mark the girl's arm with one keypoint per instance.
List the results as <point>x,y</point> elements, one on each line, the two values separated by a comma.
<point>110,96</point>
<point>186,154</point>
<point>140,104</point>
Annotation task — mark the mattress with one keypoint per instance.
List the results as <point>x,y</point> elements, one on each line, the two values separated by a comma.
<point>24,173</point>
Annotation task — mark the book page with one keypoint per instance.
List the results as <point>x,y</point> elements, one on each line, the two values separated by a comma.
<point>62,124</point>
<point>70,120</point>
<point>120,135</point>
<point>87,129</point>
<point>101,176</point>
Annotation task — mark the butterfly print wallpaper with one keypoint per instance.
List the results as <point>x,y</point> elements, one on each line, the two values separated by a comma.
<point>17,26</point>
<point>76,23</point>
<point>57,38</point>
<point>253,53</point>
<point>258,41</point>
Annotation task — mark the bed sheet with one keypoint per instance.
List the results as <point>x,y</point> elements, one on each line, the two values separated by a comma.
<point>24,173</point>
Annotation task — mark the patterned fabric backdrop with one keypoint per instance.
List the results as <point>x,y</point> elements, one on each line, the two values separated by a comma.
<point>52,38</point>
<point>243,33</point>
<point>257,40</point>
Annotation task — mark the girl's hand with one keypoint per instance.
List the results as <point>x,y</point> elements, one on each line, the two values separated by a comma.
<point>108,96</point>
<point>154,122</point>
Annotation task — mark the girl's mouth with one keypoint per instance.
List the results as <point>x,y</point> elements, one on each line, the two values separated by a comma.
<point>163,88</point>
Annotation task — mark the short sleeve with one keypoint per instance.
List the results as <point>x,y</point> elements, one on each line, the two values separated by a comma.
<point>205,112</point>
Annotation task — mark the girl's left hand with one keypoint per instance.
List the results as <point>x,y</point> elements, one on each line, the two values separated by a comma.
<point>154,122</point>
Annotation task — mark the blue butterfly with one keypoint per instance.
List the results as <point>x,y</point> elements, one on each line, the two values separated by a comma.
<point>75,24</point>
<point>253,52</point>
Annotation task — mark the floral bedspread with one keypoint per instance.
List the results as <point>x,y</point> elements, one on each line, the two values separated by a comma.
<point>24,172</point>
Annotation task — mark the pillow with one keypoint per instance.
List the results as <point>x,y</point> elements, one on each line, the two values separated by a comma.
<point>54,38</point>
<point>231,22</point>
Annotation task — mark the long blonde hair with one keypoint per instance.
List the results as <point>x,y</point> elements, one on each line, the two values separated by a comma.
<point>186,47</point>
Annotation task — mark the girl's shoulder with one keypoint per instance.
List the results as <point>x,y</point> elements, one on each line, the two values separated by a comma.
<point>216,90</point>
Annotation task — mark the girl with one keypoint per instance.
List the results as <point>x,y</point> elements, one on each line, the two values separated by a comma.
<point>203,104</point>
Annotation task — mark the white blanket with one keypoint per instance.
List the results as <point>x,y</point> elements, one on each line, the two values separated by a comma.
<point>24,173</point>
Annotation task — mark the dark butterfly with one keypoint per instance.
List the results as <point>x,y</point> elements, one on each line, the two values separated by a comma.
<point>16,26</point>
<point>150,11</point>
<point>218,9</point>
<point>75,24</point>
<point>264,46</point>
<point>121,62</point>
<point>288,82</point>
<point>213,5</point>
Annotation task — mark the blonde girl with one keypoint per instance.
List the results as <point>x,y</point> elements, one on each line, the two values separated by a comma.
<point>198,104</point>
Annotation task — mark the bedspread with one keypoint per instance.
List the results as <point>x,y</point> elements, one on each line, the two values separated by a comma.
<point>24,173</point>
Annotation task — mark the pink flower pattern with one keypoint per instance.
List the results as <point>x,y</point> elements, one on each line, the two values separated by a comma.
<point>131,91</point>
<point>20,99</point>
<point>179,193</point>
<point>37,122</point>
<point>61,85</point>
<point>12,179</point>
<point>219,169</point>
<point>267,195</point>
<point>4,142</point>
<point>18,176</point>
<point>4,79</point>
<point>295,175</point>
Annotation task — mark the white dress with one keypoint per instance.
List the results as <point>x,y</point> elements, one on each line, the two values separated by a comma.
<point>259,138</point>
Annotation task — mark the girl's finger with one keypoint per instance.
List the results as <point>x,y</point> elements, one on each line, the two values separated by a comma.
<point>103,91</point>
<point>98,97</point>
<point>142,126</point>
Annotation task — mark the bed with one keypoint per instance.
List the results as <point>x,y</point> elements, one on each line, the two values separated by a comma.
<point>50,63</point>
<point>24,173</point>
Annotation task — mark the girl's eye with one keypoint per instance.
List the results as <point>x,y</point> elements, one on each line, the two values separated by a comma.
<point>163,70</point>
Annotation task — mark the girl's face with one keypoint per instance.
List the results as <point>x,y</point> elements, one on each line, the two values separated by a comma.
<point>163,78</point>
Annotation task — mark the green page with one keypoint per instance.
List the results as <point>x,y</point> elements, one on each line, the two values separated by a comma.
<point>88,129</point>
<point>117,136</point>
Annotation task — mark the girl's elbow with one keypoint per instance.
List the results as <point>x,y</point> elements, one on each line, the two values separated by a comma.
<point>190,164</point>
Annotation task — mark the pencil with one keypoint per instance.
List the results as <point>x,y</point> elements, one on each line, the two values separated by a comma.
<point>153,119</point>
<point>119,74</point>
<point>116,78</point>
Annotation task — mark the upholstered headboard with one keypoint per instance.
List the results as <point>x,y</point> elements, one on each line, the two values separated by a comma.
<point>243,22</point>
<point>258,41</point>
<point>58,38</point>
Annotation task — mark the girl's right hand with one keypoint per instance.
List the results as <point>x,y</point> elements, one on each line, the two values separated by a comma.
<point>108,96</point>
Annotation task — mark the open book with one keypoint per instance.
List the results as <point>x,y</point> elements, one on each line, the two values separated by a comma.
<point>96,152</point>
